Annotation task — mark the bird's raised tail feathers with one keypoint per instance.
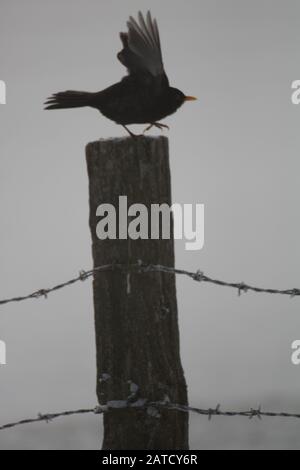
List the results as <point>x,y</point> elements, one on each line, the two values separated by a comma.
<point>68,99</point>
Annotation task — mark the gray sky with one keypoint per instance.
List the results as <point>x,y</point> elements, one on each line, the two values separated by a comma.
<point>236,150</point>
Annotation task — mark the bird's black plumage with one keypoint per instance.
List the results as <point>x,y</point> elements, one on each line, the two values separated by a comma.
<point>144,95</point>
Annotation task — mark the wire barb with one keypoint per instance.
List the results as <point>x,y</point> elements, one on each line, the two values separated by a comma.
<point>83,275</point>
<point>242,288</point>
<point>40,293</point>
<point>256,413</point>
<point>198,276</point>
<point>294,292</point>
<point>47,418</point>
<point>213,412</point>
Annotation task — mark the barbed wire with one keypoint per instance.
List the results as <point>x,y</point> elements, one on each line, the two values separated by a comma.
<point>153,409</point>
<point>47,418</point>
<point>139,267</point>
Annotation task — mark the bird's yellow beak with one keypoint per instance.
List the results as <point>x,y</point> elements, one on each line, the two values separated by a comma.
<point>190,98</point>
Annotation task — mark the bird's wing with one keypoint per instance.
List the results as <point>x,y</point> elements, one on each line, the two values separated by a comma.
<point>141,51</point>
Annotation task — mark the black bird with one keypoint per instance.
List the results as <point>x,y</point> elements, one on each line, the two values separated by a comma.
<point>144,95</point>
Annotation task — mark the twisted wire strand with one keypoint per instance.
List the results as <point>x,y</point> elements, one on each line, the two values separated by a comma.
<point>144,404</point>
<point>139,267</point>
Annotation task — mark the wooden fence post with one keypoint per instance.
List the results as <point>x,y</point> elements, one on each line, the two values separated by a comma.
<point>137,337</point>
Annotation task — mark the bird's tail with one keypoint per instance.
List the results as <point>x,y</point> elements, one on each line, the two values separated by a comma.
<point>68,99</point>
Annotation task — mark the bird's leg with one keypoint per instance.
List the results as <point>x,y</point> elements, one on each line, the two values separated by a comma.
<point>134,136</point>
<point>159,125</point>
<point>148,128</point>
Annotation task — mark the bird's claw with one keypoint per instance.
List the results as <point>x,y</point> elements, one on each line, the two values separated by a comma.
<point>159,125</point>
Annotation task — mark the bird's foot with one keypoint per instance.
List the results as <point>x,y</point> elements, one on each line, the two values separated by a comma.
<point>159,125</point>
<point>134,136</point>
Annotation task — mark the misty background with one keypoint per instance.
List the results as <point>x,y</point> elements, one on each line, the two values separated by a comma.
<point>236,150</point>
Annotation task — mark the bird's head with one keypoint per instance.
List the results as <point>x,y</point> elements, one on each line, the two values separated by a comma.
<point>177,98</point>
